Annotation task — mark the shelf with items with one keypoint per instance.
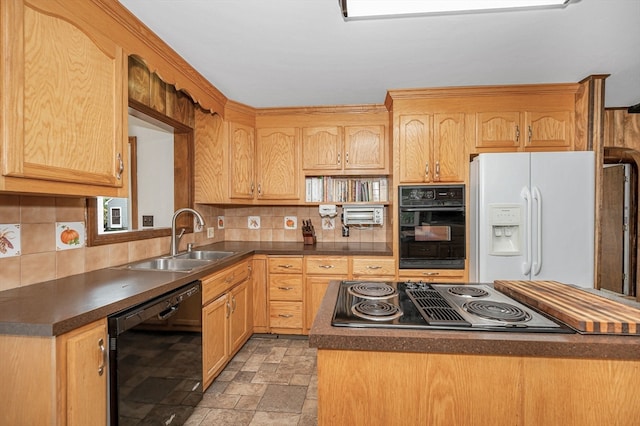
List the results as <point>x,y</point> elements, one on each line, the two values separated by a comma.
<point>331,189</point>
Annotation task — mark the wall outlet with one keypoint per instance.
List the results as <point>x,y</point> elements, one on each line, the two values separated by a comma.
<point>147,220</point>
<point>210,232</point>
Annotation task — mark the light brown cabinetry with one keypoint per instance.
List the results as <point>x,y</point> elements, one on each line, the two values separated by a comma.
<point>524,130</point>
<point>432,275</point>
<point>373,268</point>
<point>260,294</point>
<point>226,317</point>
<point>319,271</point>
<point>59,73</point>
<point>211,148</point>
<point>55,381</point>
<point>242,184</point>
<point>278,164</point>
<point>432,147</point>
<point>285,295</point>
<point>337,149</point>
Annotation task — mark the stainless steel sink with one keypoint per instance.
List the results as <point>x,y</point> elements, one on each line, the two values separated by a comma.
<point>204,255</point>
<point>169,264</point>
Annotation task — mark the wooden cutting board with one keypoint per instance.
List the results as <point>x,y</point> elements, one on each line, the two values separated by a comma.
<point>581,310</point>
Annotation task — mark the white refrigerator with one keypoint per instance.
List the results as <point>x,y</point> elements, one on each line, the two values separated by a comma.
<point>532,217</point>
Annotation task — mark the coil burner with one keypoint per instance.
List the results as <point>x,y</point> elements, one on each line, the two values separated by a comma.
<point>372,290</point>
<point>376,310</point>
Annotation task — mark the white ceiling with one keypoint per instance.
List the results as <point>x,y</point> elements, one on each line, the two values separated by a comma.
<point>272,53</point>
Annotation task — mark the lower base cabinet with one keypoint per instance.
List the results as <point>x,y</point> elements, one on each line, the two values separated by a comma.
<point>226,317</point>
<point>55,380</point>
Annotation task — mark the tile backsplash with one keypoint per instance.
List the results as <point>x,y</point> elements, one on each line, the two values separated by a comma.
<point>40,260</point>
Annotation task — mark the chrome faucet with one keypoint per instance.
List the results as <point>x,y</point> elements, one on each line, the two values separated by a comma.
<point>175,240</point>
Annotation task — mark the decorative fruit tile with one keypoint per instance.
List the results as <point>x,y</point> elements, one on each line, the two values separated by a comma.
<point>69,235</point>
<point>253,222</point>
<point>9,240</point>
<point>290,222</point>
<point>328,223</point>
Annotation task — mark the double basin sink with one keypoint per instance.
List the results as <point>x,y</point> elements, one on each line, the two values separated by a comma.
<point>183,262</point>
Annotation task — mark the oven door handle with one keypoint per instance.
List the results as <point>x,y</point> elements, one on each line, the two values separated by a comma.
<point>432,209</point>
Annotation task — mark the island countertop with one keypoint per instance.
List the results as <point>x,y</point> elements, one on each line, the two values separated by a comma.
<point>55,307</point>
<point>504,343</point>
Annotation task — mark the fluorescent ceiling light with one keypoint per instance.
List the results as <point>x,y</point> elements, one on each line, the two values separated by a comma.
<point>361,9</point>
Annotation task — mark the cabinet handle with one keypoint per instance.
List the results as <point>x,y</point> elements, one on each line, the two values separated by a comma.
<point>437,169</point>
<point>431,273</point>
<point>285,288</point>
<point>339,159</point>
<point>234,304</point>
<point>373,267</point>
<point>230,278</point>
<point>259,190</point>
<point>326,266</point>
<point>517,133</point>
<point>103,351</point>
<point>228,309</point>
<point>285,315</point>
<point>287,266</point>
<point>120,167</point>
<point>426,170</point>
<point>346,158</point>
<point>252,188</point>
<point>530,134</point>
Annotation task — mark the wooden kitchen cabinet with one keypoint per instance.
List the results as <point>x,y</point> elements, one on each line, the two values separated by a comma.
<point>242,184</point>
<point>344,149</point>
<point>64,98</point>
<point>286,295</point>
<point>61,381</point>
<point>524,131</point>
<point>211,148</point>
<point>278,164</point>
<point>433,275</point>
<point>320,271</point>
<point>432,147</point>
<point>373,268</point>
<point>226,317</point>
<point>260,294</point>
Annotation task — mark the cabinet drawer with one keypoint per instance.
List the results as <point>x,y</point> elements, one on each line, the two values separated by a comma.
<point>216,284</point>
<point>327,265</point>
<point>430,275</point>
<point>374,266</point>
<point>285,265</point>
<point>285,314</point>
<point>285,287</point>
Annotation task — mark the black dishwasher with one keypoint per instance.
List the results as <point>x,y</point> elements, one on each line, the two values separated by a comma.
<point>155,370</point>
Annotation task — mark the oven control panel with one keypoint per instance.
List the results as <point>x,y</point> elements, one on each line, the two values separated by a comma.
<point>443,195</point>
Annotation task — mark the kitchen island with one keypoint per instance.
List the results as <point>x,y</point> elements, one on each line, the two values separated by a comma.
<point>377,376</point>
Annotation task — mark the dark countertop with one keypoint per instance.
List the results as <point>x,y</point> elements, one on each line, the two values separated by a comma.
<point>55,307</point>
<point>324,336</point>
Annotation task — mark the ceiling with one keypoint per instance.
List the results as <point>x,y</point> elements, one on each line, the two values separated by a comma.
<point>276,53</point>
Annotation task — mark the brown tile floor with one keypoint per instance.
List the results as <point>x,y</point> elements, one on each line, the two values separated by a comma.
<point>272,380</point>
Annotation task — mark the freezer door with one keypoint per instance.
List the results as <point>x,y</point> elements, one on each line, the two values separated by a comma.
<point>497,179</point>
<point>563,217</point>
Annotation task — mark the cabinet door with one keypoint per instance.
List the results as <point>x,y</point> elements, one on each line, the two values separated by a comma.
<point>215,337</point>
<point>322,148</point>
<point>240,320</point>
<point>449,147</point>
<point>365,148</point>
<point>242,159</point>
<point>61,74</point>
<point>86,375</point>
<point>498,130</point>
<point>278,165</point>
<point>316,287</point>
<point>548,130</point>
<point>210,154</point>
<point>415,145</point>
<point>260,295</point>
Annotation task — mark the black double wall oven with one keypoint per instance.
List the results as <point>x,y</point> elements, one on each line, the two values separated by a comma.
<point>431,224</point>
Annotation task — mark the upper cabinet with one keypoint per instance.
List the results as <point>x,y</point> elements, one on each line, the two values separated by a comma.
<point>344,149</point>
<point>64,103</point>
<point>524,130</point>
<point>278,164</point>
<point>242,183</point>
<point>210,168</point>
<point>432,147</point>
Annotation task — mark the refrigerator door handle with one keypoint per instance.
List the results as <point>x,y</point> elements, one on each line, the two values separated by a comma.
<point>537,264</point>
<point>526,266</point>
